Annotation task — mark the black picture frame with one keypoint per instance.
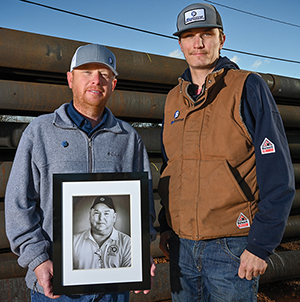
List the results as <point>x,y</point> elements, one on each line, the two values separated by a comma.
<point>67,188</point>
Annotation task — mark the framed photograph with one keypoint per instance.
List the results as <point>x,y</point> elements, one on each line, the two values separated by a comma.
<point>101,240</point>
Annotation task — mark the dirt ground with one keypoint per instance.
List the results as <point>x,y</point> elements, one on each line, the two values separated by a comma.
<point>287,291</point>
<point>281,291</point>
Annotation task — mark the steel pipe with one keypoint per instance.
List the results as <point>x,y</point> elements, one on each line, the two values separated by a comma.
<point>151,138</point>
<point>297,172</point>
<point>160,287</point>
<point>44,98</point>
<point>14,290</point>
<point>157,206</point>
<point>5,168</point>
<point>9,267</point>
<point>292,228</point>
<point>29,51</point>
<point>36,97</point>
<point>296,202</point>
<point>10,134</point>
<point>155,170</point>
<point>4,244</point>
<point>41,98</point>
<point>154,248</point>
<point>293,138</point>
<point>132,104</point>
<point>31,56</point>
<point>290,116</point>
<point>52,54</point>
<point>281,266</point>
<point>282,86</point>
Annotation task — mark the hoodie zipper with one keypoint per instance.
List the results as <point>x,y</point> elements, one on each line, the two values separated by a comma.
<point>90,159</point>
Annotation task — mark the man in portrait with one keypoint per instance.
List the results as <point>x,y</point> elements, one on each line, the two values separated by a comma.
<point>101,245</point>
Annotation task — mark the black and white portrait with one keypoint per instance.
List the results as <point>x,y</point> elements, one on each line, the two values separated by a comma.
<point>101,232</point>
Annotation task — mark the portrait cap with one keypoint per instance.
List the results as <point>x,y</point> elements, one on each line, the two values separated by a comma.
<point>198,15</point>
<point>104,199</point>
<point>94,53</point>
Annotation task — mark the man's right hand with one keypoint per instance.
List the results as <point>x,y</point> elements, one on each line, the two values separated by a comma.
<point>163,244</point>
<point>44,274</point>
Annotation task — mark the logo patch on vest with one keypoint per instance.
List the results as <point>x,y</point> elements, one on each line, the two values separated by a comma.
<point>176,114</point>
<point>242,222</point>
<point>267,147</point>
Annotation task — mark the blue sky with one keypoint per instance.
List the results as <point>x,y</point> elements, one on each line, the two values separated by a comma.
<point>244,32</point>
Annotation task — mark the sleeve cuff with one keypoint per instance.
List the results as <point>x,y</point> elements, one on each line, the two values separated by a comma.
<point>257,251</point>
<point>37,261</point>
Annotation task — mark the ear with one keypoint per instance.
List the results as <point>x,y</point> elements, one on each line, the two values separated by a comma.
<point>223,41</point>
<point>179,42</point>
<point>115,217</point>
<point>114,83</point>
<point>70,79</point>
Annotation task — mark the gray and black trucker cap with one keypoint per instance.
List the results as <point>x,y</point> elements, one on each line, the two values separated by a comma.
<point>94,53</point>
<point>198,15</point>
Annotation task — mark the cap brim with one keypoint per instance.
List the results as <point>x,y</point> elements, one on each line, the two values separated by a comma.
<point>101,63</point>
<point>179,32</point>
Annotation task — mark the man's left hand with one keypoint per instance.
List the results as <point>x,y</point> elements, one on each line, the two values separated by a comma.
<point>251,266</point>
<point>152,273</point>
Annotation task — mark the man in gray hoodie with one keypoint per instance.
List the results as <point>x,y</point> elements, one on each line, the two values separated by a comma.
<point>80,137</point>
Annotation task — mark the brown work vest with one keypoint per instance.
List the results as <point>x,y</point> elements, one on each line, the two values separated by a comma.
<point>209,187</point>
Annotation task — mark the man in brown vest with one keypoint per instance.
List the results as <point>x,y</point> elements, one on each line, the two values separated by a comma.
<point>227,180</point>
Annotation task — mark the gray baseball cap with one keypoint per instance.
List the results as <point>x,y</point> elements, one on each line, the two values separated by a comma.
<point>198,15</point>
<point>94,53</point>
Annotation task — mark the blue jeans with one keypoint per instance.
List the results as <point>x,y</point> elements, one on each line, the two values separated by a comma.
<point>208,270</point>
<point>111,297</point>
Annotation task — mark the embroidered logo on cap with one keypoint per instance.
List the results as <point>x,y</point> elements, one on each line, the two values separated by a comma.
<point>267,147</point>
<point>194,16</point>
<point>110,60</point>
<point>242,222</point>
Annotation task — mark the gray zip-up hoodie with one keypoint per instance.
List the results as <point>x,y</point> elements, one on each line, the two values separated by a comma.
<point>52,143</point>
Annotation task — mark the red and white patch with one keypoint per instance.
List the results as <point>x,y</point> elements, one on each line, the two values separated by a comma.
<point>267,147</point>
<point>243,222</point>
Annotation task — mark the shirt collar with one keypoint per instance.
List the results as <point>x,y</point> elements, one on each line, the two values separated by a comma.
<point>113,235</point>
<point>81,122</point>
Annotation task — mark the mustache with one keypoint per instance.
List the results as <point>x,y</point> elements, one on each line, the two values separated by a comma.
<point>197,52</point>
<point>95,88</point>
